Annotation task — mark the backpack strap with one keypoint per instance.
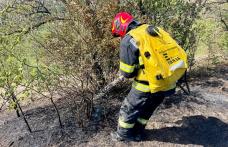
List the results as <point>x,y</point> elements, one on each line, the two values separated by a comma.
<point>153,31</point>
<point>182,81</point>
<point>141,64</point>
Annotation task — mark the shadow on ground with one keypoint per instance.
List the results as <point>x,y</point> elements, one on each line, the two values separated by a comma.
<point>209,76</point>
<point>43,120</point>
<point>197,130</point>
<point>46,130</point>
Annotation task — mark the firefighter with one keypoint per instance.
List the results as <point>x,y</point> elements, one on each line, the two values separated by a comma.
<point>140,103</point>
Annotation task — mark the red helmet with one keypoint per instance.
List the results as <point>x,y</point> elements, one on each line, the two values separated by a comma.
<point>120,23</point>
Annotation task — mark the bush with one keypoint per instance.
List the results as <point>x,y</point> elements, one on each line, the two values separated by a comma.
<point>69,47</point>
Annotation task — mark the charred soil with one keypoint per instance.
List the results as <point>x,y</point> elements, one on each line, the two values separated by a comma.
<point>199,119</point>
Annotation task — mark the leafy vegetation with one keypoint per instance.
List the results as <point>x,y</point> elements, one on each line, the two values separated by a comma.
<point>60,47</point>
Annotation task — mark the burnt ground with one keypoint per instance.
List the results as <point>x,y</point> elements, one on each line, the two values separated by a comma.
<point>200,119</point>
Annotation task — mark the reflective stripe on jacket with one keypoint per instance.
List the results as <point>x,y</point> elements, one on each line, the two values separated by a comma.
<point>130,63</point>
<point>128,57</point>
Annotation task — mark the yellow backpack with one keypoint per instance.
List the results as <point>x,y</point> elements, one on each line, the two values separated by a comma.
<point>164,61</point>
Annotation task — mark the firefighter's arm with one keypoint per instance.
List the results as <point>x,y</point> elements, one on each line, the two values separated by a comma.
<point>128,57</point>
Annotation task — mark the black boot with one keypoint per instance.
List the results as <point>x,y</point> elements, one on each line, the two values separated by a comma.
<point>139,131</point>
<point>123,134</point>
<point>117,137</point>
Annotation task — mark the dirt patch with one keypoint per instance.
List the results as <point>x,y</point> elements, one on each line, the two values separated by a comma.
<point>200,119</point>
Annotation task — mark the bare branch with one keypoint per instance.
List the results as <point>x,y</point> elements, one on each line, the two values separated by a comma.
<point>223,21</point>
<point>36,26</point>
<point>216,2</point>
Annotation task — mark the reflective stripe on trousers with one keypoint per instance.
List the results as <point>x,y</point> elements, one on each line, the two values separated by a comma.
<point>142,121</point>
<point>125,125</point>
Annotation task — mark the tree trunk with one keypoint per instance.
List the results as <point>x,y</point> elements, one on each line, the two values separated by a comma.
<point>22,113</point>
<point>57,111</point>
<point>108,88</point>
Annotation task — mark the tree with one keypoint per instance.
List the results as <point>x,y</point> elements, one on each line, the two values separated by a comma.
<point>22,72</point>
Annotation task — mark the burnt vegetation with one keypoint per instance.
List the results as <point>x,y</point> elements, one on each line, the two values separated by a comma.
<point>62,51</point>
